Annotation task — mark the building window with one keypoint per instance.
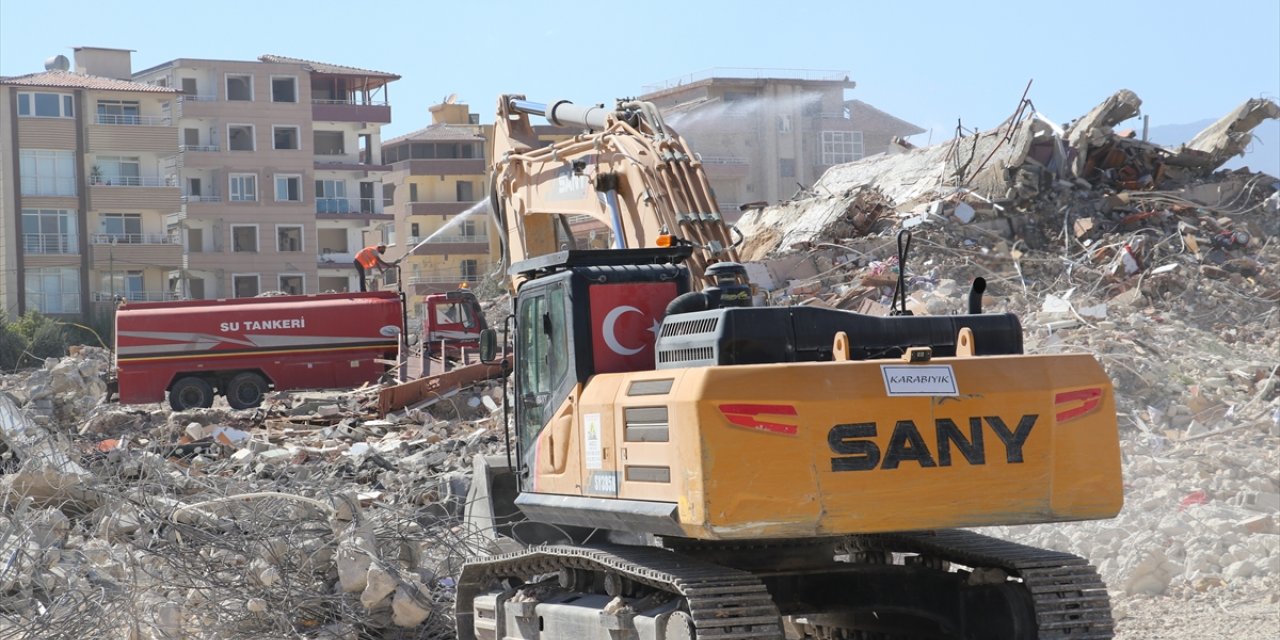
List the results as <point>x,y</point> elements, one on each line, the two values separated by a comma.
<point>787,167</point>
<point>839,147</point>
<point>126,285</point>
<point>467,229</point>
<point>244,187</point>
<point>49,231</point>
<point>47,172</point>
<point>53,289</point>
<point>331,197</point>
<point>239,87</point>
<point>288,188</point>
<point>284,137</point>
<point>291,283</point>
<point>470,270</point>
<point>46,105</point>
<point>465,191</point>
<point>189,86</point>
<point>414,231</point>
<point>240,137</point>
<point>329,143</point>
<point>284,89</point>
<point>413,192</point>
<point>244,238</point>
<point>388,194</point>
<point>120,228</point>
<point>288,238</point>
<point>119,112</point>
<point>245,285</point>
<point>117,170</point>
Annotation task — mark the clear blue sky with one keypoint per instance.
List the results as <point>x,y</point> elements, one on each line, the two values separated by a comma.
<point>926,62</point>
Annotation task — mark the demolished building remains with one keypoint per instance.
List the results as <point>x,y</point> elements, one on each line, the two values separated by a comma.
<point>318,516</point>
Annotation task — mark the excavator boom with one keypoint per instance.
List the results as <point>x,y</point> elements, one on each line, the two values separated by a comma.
<point>625,173</point>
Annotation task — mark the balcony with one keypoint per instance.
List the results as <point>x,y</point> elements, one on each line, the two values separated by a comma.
<point>439,278</point>
<point>344,162</point>
<point>50,243</point>
<point>198,147</point>
<point>444,166</point>
<point>134,192</point>
<point>208,197</point>
<point>110,250</point>
<point>437,208</point>
<point>196,105</point>
<point>135,296</point>
<point>155,134</point>
<point>128,119</point>
<point>335,258</point>
<point>134,238</point>
<point>350,111</point>
<point>349,208</point>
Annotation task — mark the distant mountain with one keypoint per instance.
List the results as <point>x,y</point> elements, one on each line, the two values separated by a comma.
<point>1263,155</point>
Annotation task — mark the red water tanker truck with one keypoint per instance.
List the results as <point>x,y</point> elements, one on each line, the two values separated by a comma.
<point>241,348</point>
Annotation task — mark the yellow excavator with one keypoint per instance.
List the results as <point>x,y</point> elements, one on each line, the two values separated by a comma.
<point>684,464</point>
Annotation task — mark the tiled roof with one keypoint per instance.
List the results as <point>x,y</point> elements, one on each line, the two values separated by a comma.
<point>324,67</point>
<point>68,80</point>
<point>440,132</point>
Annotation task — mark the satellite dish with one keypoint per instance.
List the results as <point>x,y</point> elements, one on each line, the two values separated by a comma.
<point>57,63</point>
<point>453,97</point>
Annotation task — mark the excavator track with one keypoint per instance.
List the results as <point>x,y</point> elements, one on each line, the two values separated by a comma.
<point>723,603</point>
<point>1071,601</point>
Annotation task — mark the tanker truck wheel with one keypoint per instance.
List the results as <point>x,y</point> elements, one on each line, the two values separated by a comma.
<point>190,393</point>
<point>245,390</point>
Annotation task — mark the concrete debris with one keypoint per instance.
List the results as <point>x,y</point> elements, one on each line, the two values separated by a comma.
<point>307,517</point>
<point>318,516</point>
<point>1139,254</point>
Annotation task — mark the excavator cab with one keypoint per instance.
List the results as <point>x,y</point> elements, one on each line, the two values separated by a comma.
<point>583,313</point>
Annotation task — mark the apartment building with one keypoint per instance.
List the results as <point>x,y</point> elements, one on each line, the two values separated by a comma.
<point>437,173</point>
<point>85,188</point>
<point>765,133</point>
<point>279,168</point>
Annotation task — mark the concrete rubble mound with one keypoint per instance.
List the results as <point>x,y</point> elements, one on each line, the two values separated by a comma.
<point>1165,267</point>
<point>308,517</point>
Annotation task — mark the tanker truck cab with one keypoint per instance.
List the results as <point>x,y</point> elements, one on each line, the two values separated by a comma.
<point>453,323</point>
<point>192,351</point>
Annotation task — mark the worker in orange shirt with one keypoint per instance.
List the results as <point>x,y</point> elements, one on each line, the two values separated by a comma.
<point>367,259</point>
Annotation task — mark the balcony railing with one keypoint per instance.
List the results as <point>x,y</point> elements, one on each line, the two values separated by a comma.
<point>191,97</point>
<point>134,238</point>
<point>115,118</point>
<point>131,181</point>
<point>209,197</point>
<point>198,147</point>
<point>723,160</point>
<point>346,205</point>
<point>462,238</point>
<point>135,296</point>
<point>351,101</point>
<point>49,243</point>
<point>442,278</point>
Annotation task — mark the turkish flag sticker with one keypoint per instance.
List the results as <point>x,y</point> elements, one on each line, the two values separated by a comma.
<point>625,319</point>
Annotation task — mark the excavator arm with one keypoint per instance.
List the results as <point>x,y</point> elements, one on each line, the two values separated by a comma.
<point>627,170</point>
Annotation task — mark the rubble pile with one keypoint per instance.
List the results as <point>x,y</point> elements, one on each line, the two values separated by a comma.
<point>313,517</point>
<point>1144,256</point>
<point>305,518</point>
